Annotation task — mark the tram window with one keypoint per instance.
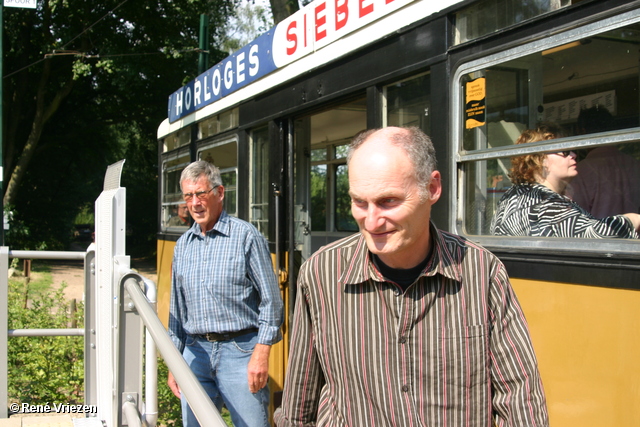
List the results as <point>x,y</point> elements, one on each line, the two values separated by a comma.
<point>407,103</point>
<point>177,139</point>
<point>224,155</point>
<point>229,181</point>
<point>608,184</point>
<point>318,154</point>
<point>329,134</point>
<point>344,219</point>
<point>341,152</point>
<point>259,189</point>
<point>172,216</point>
<point>488,16</point>
<point>325,173</point>
<point>218,123</point>
<point>319,197</point>
<point>558,85</point>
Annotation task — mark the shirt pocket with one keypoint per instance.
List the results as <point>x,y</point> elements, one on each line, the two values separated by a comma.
<point>465,364</point>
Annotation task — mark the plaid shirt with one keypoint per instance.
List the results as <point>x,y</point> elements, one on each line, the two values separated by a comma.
<point>452,350</point>
<point>224,282</point>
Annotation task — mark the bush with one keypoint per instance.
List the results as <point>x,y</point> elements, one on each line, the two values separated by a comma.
<point>50,370</point>
<point>43,370</point>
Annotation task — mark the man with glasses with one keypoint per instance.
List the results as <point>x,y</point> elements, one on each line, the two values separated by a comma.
<point>226,309</point>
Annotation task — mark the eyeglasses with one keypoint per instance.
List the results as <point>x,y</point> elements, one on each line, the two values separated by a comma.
<point>199,194</point>
<point>566,153</point>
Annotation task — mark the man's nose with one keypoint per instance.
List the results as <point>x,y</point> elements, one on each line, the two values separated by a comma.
<point>195,201</point>
<point>373,219</point>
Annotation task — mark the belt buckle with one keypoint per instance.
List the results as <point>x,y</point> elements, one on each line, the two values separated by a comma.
<point>215,337</point>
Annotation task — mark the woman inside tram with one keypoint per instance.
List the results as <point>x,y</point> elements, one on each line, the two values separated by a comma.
<point>536,205</point>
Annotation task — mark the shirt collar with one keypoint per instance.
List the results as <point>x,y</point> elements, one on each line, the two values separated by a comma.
<point>361,267</point>
<point>222,226</point>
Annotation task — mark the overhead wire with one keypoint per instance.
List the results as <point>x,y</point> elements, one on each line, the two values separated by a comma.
<point>64,52</point>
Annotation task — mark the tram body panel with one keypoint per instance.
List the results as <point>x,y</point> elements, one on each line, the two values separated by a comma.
<point>164,261</point>
<point>586,341</point>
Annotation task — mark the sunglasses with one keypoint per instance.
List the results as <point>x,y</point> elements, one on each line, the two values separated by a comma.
<point>566,153</point>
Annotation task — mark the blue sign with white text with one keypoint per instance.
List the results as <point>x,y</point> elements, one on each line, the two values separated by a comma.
<point>245,66</point>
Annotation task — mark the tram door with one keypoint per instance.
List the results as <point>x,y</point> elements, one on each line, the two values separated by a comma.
<point>322,207</point>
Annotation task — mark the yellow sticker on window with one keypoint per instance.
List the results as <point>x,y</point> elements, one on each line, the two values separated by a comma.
<point>475,107</point>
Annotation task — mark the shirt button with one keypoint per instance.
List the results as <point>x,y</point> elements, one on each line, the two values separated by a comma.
<point>405,388</point>
<point>403,339</point>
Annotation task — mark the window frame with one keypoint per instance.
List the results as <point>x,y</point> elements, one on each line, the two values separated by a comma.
<point>461,156</point>
<point>218,142</point>
<point>174,155</point>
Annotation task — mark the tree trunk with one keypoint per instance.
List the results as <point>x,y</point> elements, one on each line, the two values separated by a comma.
<point>42,115</point>
<point>282,9</point>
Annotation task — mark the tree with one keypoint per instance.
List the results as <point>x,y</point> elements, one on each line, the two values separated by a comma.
<point>249,21</point>
<point>87,83</point>
<point>282,9</point>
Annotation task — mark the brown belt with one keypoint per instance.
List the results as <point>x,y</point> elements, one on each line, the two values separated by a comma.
<point>213,336</point>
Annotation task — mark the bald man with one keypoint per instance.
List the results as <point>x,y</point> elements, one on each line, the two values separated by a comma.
<point>403,324</point>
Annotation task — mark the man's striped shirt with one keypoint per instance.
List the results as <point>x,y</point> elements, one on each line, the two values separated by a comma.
<point>453,350</point>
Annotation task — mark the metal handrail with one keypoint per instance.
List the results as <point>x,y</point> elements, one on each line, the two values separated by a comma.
<point>56,332</point>
<point>73,255</point>
<point>202,406</point>
<point>5,254</point>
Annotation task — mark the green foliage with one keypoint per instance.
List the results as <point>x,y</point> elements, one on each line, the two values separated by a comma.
<point>20,235</point>
<point>169,411</point>
<point>119,61</point>
<point>85,215</point>
<point>43,369</point>
<point>51,369</point>
<point>249,21</point>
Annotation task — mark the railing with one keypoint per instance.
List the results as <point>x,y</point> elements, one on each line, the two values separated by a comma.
<point>200,403</point>
<point>5,254</point>
<point>156,337</point>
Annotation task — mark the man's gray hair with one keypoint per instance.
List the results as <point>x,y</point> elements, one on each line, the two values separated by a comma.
<point>415,143</point>
<point>195,170</point>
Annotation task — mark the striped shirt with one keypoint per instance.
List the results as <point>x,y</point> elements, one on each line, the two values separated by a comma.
<point>535,210</point>
<point>224,282</point>
<point>452,350</point>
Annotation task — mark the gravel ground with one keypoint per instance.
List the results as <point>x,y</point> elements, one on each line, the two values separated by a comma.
<point>71,272</point>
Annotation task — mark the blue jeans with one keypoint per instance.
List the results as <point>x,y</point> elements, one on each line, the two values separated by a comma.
<point>221,368</point>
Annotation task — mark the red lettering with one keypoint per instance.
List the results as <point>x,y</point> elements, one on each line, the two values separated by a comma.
<point>305,30</point>
<point>365,10</point>
<point>388,1</point>
<point>342,10</point>
<point>292,37</point>
<point>320,21</point>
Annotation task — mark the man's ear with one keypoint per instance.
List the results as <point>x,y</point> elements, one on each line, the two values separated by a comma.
<point>435,187</point>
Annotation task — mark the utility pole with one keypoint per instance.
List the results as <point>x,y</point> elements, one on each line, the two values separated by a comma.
<point>1,129</point>
<point>203,58</point>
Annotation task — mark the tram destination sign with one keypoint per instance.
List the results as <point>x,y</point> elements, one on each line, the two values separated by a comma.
<point>313,27</point>
<point>27,4</point>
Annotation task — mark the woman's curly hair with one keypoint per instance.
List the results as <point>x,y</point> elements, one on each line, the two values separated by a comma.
<point>524,169</point>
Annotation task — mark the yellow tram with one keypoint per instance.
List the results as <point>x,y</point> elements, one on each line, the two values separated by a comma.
<point>276,117</point>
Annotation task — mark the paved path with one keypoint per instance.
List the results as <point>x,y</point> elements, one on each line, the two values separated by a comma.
<point>49,421</point>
